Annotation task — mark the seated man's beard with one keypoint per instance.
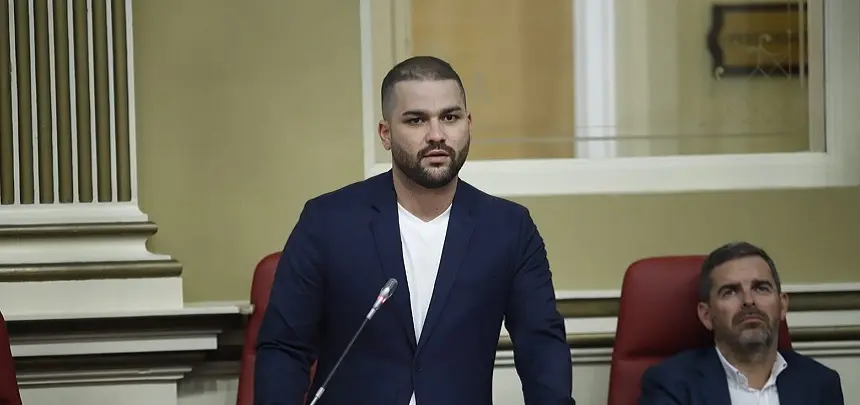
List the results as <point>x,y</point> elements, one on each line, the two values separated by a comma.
<point>753,339</point>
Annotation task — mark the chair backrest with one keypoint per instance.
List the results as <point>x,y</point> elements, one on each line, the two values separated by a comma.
<point>261,286</point>
<point>657,319</point>
<point>9,393</point>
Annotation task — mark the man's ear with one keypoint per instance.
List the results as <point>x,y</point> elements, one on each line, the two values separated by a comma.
<point>705,315</point>
<point>469,121</point>
<point>783,298</point>
<point>384,132</point>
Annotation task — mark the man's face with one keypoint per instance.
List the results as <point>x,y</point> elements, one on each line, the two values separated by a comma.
<point>428,131</point>
<point>744,310</point>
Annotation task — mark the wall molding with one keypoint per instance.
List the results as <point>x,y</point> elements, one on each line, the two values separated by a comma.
<point>597,349</point>
<point>116,347</point>
<point>803,298</point>
<point>207,341</point>
<point>77,271</point>
<point>801,335</point>
<point>106,376</point>
<point>593,348</point>
<point>605,303</point>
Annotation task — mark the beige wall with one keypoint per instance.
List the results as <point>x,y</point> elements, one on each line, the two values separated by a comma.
<point>247,109</point>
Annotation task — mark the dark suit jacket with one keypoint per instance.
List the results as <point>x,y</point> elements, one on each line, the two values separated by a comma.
<point>697,377</point>
<point>345,246</point>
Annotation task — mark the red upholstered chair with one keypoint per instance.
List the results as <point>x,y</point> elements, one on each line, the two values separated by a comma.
<point>9,394</point>
<point>261,286</point>
<point>657,319</point>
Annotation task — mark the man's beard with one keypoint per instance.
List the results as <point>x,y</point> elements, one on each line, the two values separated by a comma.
<point>750,339</point>
<point>432,177</point>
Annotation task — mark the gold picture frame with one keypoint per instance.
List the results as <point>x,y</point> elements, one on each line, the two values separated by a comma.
<point>758,39</point>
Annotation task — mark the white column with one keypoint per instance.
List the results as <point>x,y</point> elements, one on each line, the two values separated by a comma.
<point>70,225</point>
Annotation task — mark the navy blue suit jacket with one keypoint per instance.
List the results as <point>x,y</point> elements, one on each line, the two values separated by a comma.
<point>345,246</point>
<point>697,377</point>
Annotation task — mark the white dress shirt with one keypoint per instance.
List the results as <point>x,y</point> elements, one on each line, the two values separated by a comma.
<point>740,391</point>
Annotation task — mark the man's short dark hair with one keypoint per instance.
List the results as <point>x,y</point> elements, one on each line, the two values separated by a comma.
<point>727,253</point>
<point>416,68</point>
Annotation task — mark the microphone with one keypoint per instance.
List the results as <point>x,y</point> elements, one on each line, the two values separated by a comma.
<point>384,294</point>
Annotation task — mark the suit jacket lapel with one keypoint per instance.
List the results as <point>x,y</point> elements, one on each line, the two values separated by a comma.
<point>789,384</point>
<point>713,385</point>
<point>459,233</point>
<point>386,235</point>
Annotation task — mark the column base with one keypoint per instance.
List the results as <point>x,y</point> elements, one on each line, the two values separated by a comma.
<point>71,236</point>
<point>71,258</point>
<point>71,213</point>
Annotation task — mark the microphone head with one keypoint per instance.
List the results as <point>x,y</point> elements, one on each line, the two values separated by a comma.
<point>383,296</point>
<point>388,289</point>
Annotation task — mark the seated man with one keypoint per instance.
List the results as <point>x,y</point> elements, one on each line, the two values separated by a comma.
<point>742,302</point>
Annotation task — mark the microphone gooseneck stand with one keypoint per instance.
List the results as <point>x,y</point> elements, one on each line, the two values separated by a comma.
<point>383,296</point>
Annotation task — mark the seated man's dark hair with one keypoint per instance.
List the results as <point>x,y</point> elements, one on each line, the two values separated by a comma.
<point>727,253</point>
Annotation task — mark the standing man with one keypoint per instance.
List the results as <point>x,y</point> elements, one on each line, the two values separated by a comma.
<point>465,262</point>
<point>742,302</point>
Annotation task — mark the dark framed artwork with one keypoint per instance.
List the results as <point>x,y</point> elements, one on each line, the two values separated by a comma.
<point>758,39</point>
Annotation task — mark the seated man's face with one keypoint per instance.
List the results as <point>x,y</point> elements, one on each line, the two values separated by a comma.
<point>744,309</point>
